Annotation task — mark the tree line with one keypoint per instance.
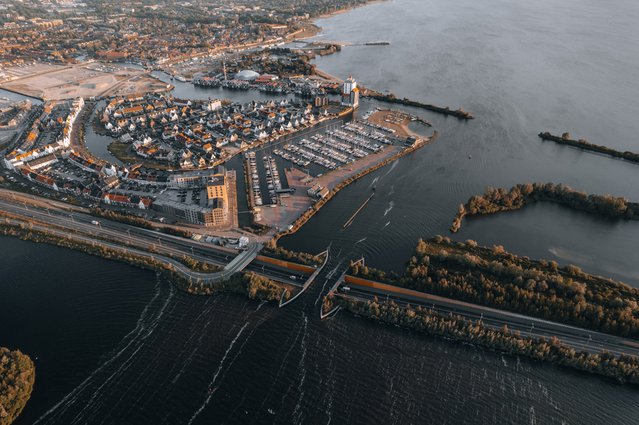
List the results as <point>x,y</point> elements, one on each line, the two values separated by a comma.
<point>622,368</point>
<point>17,375</point>
<point>538,288</point>
<point>498,200</point>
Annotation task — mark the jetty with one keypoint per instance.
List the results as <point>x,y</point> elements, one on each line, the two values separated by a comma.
<point>391,98</point>
<point>350,220</point>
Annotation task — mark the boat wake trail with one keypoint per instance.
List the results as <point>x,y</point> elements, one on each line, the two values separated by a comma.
<point>391,204</point>
<point>391,168</point>
<point>386,225</point>
<point>128,347</point>
<point>211,389</point>
<point>298,411</point>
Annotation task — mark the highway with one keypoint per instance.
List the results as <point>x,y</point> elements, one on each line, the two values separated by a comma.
<point>121,235</point>
<point>577,338</point>
<point>64,220</point>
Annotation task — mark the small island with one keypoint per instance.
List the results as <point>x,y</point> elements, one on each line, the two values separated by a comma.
<point>565,139</point>
<point>498,200</point>
<point>17,375</point>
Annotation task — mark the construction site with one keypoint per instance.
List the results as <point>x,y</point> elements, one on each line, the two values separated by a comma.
<point>87,80</point>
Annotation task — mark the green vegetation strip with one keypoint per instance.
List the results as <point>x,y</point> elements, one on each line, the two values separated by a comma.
<point>495,278</point>
<point>249,284</point>
<point>623,368</point>
<point>17,375</point>
<point>280,253</point>
<point>498,200</point>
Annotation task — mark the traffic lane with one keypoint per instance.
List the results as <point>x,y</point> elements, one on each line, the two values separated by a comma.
<point>427,298</point>
<point>108,227</point>
<point>87,218</point>
<point>579,343</point>
<point>115,230</point>
<point>277,275</point>
<point>580,339</point>
<point>99,231</point>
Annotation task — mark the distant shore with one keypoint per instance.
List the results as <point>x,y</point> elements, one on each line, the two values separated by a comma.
<point>347,9</point>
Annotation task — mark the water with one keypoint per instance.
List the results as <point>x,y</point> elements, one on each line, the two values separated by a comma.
<point>186,90</point>
<point>18,97</point>
<point>96,143</point>
<point>520,69</point>
<point>117,345</point>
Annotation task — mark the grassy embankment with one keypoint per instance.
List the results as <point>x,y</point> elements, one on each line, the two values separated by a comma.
<point>245,283</point>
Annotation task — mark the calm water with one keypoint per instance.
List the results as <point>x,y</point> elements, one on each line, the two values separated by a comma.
<point>115,344</point>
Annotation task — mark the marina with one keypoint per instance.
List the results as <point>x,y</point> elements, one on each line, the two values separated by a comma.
<point>337,147</point>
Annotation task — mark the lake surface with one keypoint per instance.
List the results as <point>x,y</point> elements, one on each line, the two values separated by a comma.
<point>115,344</point>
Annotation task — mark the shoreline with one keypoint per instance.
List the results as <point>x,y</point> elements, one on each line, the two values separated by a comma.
<point>622,369</point>
<point>346,10</point>
<point>314,208</point>
<point>241,283</point>
<point>494,201</point>
<point>477,292</point>
<point>17,373</point>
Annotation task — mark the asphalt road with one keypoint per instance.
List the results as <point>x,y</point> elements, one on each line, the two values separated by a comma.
<point>124,235</point>
<point>577,338</point>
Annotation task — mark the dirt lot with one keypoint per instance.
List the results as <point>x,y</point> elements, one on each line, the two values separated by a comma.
<point>57,82</point>
<point>291,207</point>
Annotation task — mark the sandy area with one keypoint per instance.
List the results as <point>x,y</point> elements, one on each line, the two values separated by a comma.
<point>395,120</point>
<point>55,82</point>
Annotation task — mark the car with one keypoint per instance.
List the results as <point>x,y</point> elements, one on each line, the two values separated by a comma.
<point>293,277</point>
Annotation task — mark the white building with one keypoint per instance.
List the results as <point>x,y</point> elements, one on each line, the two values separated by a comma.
<point>350,93</point>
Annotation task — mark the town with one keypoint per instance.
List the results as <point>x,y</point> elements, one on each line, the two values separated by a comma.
<point>175,154</point>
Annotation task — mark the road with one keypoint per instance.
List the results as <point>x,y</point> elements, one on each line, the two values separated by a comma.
<point>577,338</point>
<point>121,235</point>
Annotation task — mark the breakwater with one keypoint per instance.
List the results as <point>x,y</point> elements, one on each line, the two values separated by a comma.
<point>587,146</point>
<point>313,209</point>
<point>391,98</point>
<point>350,220</point>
